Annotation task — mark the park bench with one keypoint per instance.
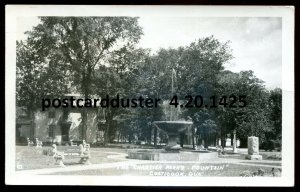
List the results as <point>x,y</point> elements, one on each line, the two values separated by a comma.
<point>85,144</point>
<point>73,143</point>
<point>29,143</point>
<point>62,152</point>
<point>38,142</point>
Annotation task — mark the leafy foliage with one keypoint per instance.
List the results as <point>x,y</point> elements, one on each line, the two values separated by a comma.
<point>96,56</point>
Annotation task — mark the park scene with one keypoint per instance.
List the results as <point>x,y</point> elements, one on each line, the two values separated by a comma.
<point>100,96</point>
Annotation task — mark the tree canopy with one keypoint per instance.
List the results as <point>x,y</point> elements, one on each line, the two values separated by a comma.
<point>97,56</point>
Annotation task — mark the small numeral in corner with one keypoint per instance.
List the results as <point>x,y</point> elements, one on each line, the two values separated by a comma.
<point>19,166</point>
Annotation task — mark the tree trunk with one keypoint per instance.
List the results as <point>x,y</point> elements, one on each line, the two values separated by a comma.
<point>199,139</point>
<point>32,131</point>
<point>216,142</point>
<point>149,135</point>
<point>129,138</point>
<point>107,122</point>
<point>181,138</point>
<point>193,137</point>
<point>106,133</point>
<point>206,140</point>
<point>85,88</point>
<point>223,141</point>
<point>234,142</point>
<point>108,119</point>
<point>84,124</point>
<point>155,137</point>
<point>119,134</point>
<point>243,142</point>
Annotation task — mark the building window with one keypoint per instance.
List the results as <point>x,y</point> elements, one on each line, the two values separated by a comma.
<point>51,130</point>
<point>51,114</point>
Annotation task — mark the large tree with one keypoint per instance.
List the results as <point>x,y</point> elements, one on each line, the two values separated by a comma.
<point>119,78</point>
<point>83,44</point>
<point>251,120</point>
<point>200,63</point>
<point>36,78</point>
<point>275,105</point>
<point>187,70</point>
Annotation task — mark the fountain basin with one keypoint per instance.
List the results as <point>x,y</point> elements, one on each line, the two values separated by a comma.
<point>173,129</point>
<point>162,155</point>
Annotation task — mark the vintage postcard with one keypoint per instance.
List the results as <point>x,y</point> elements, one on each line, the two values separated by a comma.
<point>149,95</point>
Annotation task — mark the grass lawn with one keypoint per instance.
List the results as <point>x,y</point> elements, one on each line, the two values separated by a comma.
<point>263,163</point>
<point>33,158</point>
<point>275,156</point>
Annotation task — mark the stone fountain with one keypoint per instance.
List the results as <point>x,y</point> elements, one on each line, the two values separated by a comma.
<point>173,128</point>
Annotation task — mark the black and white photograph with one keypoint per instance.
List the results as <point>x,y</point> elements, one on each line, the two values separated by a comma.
<point>149,95</point>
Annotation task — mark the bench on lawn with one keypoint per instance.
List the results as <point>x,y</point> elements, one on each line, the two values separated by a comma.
<point>73,143</point>
<point>62,152</point>
<point>85,144</point>
<point>38,142</point>
<point>29,143</point>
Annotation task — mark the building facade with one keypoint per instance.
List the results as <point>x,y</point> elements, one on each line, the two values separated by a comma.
<point>59,126</point>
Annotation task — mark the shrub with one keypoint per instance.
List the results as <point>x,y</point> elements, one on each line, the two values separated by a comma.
<point>138,142</point>
<point>48,151</point>
<point>268,145</point>
<point>276,172</point>
<point>275,157</point>
<point>246,173</point>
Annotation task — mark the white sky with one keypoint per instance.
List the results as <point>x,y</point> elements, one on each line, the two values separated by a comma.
<point>256,42</point>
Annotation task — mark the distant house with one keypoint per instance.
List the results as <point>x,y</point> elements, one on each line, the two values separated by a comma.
<point>56,125</point>
<point>23,125</point>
